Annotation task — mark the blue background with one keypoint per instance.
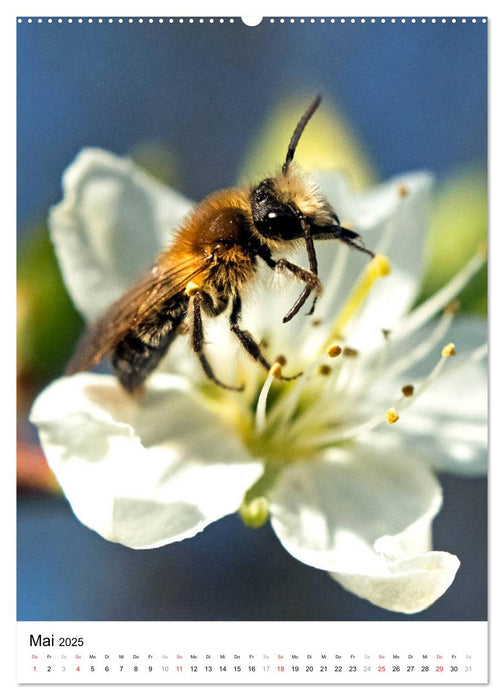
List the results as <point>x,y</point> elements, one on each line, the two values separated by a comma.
<point>416,95</point>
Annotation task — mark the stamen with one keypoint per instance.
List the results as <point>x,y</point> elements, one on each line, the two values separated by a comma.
<point>260,421</point>
<point>285,408</point>
<point>336,386</point>
<point>334,350</point>
<point>352,431</point>
<point>403,191</point>
<point>392,416</point>
<point>378,267</point>
<point>448,350</point>
<point>440,299</point>
<point>422,349</point>
<point>334,281</point>
<point>453,307</point>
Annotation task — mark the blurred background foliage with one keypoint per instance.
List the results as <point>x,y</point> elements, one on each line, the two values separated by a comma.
<point>201,113</point>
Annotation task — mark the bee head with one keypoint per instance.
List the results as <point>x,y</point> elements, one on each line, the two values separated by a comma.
<point>291,206</point>
<point>274,217</point>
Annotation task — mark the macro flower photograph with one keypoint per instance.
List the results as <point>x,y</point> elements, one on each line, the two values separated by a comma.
<point>252,320</point>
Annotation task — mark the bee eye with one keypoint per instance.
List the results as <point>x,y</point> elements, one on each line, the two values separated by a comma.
<point>273,218</point>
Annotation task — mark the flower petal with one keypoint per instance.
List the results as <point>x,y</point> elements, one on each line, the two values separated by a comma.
<point>109,227</point>
<point>402,239</point>
<point>362,514</point>
<point>409,585</point>
<point>447,424</point>
<point>141,472</point>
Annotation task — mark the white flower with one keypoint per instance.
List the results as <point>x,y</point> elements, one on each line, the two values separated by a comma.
<point>341,459</point>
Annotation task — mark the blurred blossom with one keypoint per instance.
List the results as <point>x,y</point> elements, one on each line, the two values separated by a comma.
<point>340,460</point>
<point>332,145</point>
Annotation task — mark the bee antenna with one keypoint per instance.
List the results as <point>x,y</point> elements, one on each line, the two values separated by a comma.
<point>298,131</point>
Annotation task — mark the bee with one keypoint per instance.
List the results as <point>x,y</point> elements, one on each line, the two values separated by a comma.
<point>213,257</point>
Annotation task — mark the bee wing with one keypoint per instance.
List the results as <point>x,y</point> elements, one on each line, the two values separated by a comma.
<point>128,312</point>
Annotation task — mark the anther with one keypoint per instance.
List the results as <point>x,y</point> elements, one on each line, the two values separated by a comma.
<point>403,191</point>
<point>379,266</point>
<point>453,307</point>
<point>282,360</point>
<point>386,333</point>
<point>408,390</point>
<point>350,352</point>
<point>324,370</point>
<point>334,350</point>
<point>392,416</point>
<point>192,288</point>
<point>448,350</point>
<point>276,370</point>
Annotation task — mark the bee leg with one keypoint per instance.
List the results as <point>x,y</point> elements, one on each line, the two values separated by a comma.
<point>312,258</point>
<point>312,284</point>
<point>246,338</point>
<point>197,300</point>
<point>309,277</point>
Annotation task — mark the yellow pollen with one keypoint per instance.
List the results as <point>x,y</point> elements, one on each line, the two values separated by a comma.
<point>448,350</point>
<point>403,191</point>
<point>378,267</point>
<point>392,416</point>
<point>276,370</point>
<point>408,390</point>
<point>192,288</point>
<point>334,351</point>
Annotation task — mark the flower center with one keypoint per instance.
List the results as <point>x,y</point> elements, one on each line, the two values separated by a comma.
<point>334,401</point>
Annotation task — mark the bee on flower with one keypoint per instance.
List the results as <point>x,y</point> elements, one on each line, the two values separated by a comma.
<point>340,460</point>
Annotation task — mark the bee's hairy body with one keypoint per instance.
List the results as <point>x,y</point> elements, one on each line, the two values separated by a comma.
<point>214,237</point>
<point>213,257</point>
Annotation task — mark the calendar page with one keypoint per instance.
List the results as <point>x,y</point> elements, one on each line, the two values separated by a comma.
<point>252,343</point>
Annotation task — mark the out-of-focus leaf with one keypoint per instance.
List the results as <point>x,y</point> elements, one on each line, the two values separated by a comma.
<point>459,227</point>
<point>328,142</point>
<point>47,323</point>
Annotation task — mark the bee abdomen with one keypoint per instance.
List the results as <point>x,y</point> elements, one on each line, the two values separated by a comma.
<point>142,349</point>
